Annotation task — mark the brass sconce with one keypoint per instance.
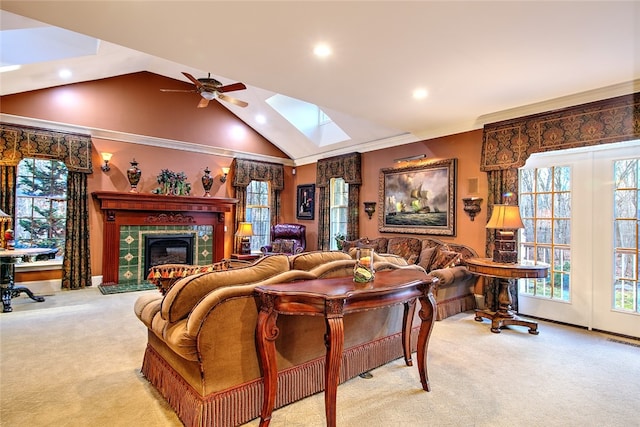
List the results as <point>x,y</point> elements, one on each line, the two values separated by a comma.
<point>106,157</point>
<point>472,206</point>
<point>370,208</point>
<point>225,172</point>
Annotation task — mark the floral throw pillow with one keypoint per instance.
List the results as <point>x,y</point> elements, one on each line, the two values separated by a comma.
<point>287,246</point>
<point>276,246</point>
<point>445,259</point>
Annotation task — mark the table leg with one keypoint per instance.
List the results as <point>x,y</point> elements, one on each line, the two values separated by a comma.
<point>334,341</point>
<point>267,332</point>
<point>504,316</point>
<point>9,290</point>
<point>407,320</point>
<point>427,314</point>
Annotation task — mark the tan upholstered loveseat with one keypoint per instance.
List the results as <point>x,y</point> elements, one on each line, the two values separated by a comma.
<point>444,260</point>
<point>201,354</point>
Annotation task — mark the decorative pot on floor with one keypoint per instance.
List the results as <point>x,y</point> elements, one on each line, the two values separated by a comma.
<point>207,182</point>
<point>133,174</point>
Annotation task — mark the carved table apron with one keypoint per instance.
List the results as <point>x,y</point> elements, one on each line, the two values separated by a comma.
<point>333,298</point>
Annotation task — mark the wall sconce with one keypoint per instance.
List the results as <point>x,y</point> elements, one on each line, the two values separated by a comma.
<point>370,208</point>
<point>472,206</point>
<point>106,157</point>
<point>225,172</point>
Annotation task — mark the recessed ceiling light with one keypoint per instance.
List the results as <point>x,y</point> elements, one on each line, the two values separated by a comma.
<point>65,73</point>
<point>420,93</point>
<point>261,119</point>
<point>322,50</point>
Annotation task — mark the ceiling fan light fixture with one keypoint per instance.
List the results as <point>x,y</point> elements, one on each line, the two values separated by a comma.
<point>208,95</point>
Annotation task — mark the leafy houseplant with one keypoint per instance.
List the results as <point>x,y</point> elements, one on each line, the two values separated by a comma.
<point>172,183</point>
<point>339,240</point>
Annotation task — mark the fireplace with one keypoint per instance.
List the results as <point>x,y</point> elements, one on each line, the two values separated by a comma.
<point>167,249</point>
<point>127,217</point>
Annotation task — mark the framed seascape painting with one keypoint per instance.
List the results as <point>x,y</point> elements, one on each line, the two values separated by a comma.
<point>418,199</point>
<point>305,201</point>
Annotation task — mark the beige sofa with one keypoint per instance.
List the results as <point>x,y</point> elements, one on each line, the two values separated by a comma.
<point>455,290</point>
<point>201,354</point>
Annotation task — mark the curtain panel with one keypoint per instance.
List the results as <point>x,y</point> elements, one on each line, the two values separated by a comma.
<point>74,150</point>
<point>508,144</point>
<point>245,171</point>
<point>349,168</point>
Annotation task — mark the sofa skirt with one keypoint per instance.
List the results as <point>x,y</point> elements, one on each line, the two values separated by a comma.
<point>242,403</point>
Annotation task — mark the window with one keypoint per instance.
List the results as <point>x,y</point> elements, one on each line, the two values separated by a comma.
<point>41,204</point>
<point>626,219</point>
<point>258,213</point>
<point>338,210</point>
<point>545,205</point>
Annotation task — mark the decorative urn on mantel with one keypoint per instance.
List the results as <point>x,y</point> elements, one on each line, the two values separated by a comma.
<point>207,182</point>
<point>133,175</point>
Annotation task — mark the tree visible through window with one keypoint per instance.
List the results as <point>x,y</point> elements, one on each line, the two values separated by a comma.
<point>338,210</point>
<point>258,213</point>
<point>545,206</point>
<point>41,204</point>
<point>626,221</point>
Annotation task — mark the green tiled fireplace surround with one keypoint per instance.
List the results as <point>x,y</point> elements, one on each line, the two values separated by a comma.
<point>131,257</point>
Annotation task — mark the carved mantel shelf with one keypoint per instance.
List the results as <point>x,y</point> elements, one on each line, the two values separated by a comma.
<point>155,209</point>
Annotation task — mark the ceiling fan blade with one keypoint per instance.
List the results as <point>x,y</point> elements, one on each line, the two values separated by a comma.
<point>178,90</point>
<point>203,103</point>
<point>193,80</point>
<point>234,101</point>
<point>231,87</point>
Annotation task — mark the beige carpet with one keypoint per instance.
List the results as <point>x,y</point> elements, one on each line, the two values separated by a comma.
<point>74,360</point>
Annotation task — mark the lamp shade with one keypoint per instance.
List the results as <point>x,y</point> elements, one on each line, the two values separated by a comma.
<point>245,229</point>
<point>505,217</point>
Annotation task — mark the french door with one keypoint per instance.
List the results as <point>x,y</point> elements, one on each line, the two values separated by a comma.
<point>581,216</point>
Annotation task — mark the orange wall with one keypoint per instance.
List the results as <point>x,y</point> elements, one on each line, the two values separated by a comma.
<point>133,104</point>
<point>466,147</point>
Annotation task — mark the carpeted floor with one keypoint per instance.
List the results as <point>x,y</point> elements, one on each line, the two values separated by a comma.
<point>74,361</point>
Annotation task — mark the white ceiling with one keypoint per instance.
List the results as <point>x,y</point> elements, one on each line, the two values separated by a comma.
<point>480,61</point>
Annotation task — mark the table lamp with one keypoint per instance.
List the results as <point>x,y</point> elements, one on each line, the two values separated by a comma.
<point>506,220</point>
<point>4,219</point>
<point>245,231</point>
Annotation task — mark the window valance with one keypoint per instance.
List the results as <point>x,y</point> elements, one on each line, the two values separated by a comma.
<point>347,166</point>
<point>509,144</point>
<point>18,142</point>
<point>245,171</point>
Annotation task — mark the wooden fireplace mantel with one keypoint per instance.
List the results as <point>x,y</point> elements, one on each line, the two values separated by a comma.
<point>154,209</point>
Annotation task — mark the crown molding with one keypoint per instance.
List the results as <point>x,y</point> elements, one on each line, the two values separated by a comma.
<point>620,89</point>
<point>140,139</point>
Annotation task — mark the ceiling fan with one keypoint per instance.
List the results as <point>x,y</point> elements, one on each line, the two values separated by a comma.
<point>210,88</point>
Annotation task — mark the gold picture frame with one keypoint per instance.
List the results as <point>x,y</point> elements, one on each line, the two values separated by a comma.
<point>418,199</point>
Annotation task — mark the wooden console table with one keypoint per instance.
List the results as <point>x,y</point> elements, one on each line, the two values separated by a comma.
<point>7,272</point>
<point>504,316</point>
<point>333,298</point>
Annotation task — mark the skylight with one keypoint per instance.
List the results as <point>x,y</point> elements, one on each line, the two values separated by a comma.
<point>309,119</point>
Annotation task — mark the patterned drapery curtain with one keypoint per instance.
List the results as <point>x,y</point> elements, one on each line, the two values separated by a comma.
<point>8,194</point>
<point>18,142</point>
<point>245,171</point>
<point>76,271</point>
<point>349,168</point>
<point>508,144</point>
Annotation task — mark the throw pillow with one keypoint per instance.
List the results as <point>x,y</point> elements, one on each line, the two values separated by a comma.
<point>445,259</point>
<point>287,246</point>
<point>426,257</point>
<point>276,246</point>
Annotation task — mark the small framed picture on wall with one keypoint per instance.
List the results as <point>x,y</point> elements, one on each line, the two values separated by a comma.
<point>305,206</point>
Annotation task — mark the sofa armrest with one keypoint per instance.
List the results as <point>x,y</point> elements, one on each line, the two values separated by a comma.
<point>448,276</point>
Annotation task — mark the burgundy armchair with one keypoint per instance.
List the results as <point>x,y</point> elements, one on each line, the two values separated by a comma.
<point>287,239</point>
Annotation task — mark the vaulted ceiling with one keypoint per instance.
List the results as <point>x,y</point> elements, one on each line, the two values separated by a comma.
<point>478,61</point>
